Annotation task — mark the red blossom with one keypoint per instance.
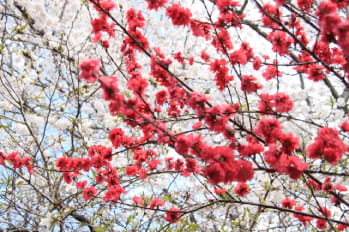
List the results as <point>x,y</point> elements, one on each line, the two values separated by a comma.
<point>142,173</point>
<point>89,193</point>
<point>305,4</point>
<point>18,162</point>
<point>341,188</point>
<point>289,143</point>
<point>271,72</point>
<point>105,43</point>
<point>283,102</point>
<point>204,56</point>
<point>107,5</point>
<point>219,67</point>
<point>253,147</point>
<point>131,170</point>
<point>99,25</point>
<point>178,56</point>
<point>280,41</point>
<point>197,125</point>
<point>200,29</point>
<point>219,172</point>
<point>293,166</point>
<point>270,129</point>
<point>314,185</point>
<point>321,224</point>
<point>63,163</point>
<point>219,191</point>
<point>180,16</point>
<point>328,145</point>
<point>152,164</point>
<point>137,83</point>
<point>226,5</point>
<point>242,189</point>
<point>327,186</point>
<point>138,200</point>
<point>302,218</point>
<point>266,104</point>
<point>272,155</point>
<point>345,126</point>
<point>222,41</point>
<point>155,4</point>
<point>257,63</point>
<point>117,104</point>
<point>113,193</point>
<point>81,184</point>
<point>2,158</point>
<point>342,227</point>
<point>218,116</point>
<point>245,171</point>
<point>335,200</point>
<point>156,202</point>
<point>68,177</point>
<point>173,215</point>
<point>280,2</point>
<point>325,212</point>
<point>230,18</point>
<point>271,12</point>
<point>109,85</point>
<point>316,72</point>
<point>137,40</point>
<point>89,70</point>
<point>183,143</point>
<point>116,136</point>
<point>191,166</point>
<point>249,85</point>
<point>288,203</point>
<point>135,19</point>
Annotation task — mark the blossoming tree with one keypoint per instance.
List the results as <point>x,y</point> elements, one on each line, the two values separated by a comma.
<point>156,115</point>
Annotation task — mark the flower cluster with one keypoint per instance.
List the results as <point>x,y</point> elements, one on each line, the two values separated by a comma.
<point>249,85</point>
<point>101,24</point>
<point>89,70</point>
<point>281,102</point>
<point>281,146</point>
<point>99,161</point>
<point>16,161</point>
<point>333,27</point>
<point>179,15</point>
<point>280,41</point>
<point>220,69</point>
<point>327,145</point>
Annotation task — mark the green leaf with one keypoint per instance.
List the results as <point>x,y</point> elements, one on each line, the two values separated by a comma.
<point>153,82</point>
<point>101,229</point>
<point>3,126</point>
<point>225,196</point>
<point>193,225</point>
<point>52,224</point>
<point>223,228</point>
<point>20,30</point>
<point>206,90</point>
<point>235,223</point>
<point>127,94</point>
<point>20,182</point>
<point>129,219</point>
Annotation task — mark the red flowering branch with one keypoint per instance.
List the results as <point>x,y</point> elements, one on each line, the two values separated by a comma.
<point>265,145</point>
